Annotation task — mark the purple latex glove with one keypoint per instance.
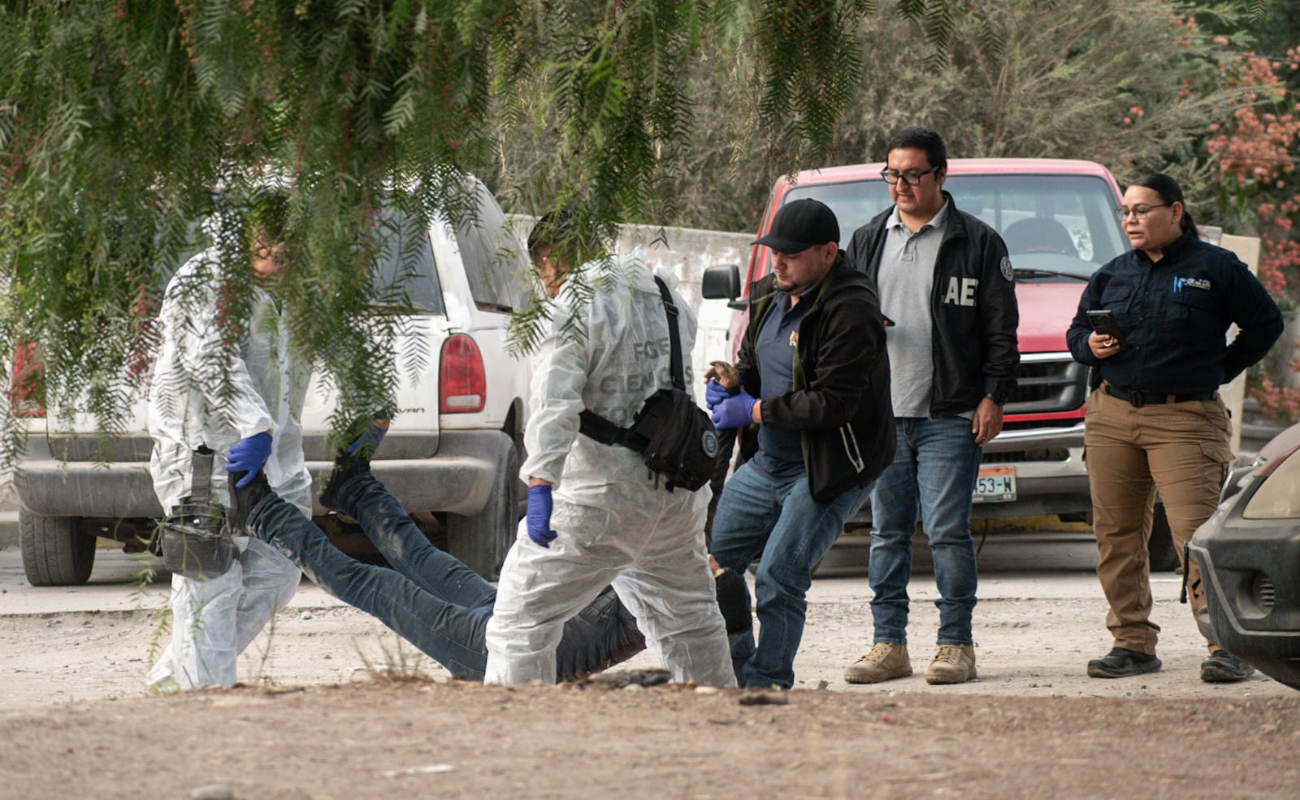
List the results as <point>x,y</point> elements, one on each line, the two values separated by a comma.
<point>715,393</point>
<point>734,412</point>
<point>539,515</point>
<point>248,456</point>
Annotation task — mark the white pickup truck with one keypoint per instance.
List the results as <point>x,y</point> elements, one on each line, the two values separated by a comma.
<point>453,448</point>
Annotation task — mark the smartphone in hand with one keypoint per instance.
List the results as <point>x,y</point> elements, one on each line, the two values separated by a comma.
<point>1103,322</point>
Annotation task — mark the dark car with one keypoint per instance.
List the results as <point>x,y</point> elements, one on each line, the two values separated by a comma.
<point>1249,555</point>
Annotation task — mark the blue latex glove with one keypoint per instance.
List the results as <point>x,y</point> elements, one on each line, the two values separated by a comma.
<point>734,412</point>
<point>715,393</point>
<point>369,440</point>
<point>248,456</point>
<point>539,515</point>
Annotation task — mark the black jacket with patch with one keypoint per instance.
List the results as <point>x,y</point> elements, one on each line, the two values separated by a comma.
<point>1174,314</point>
<point>973,308</point>
<point>840,402</point>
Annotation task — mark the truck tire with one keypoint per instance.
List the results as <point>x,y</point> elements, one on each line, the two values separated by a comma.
<point>54,552</point>
<point>481,541</point>
<point>1161,550</point>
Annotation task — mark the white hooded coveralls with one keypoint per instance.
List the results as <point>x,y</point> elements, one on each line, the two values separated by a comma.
<point>614,522</point>
<point>215,618</point>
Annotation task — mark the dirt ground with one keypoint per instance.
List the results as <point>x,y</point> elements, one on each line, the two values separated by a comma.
<point>336,707</point>
<point>423,739</point>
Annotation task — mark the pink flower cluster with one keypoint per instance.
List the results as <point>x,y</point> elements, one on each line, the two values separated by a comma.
<point>1254,146</point>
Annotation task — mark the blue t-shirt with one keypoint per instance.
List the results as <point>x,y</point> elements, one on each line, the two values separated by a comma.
<point>780,451</point>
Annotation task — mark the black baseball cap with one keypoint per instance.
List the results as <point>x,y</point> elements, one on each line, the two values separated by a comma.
<point>800,225</point>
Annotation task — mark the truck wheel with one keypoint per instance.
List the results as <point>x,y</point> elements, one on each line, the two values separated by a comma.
<point>54,552</point>
<point>1163,554</point>
<point>482,541</point>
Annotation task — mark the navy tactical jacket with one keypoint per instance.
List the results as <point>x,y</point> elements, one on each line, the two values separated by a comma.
<point>1174,314</point>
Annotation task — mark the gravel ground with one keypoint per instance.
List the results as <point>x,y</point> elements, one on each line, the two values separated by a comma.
<point>335,707</point>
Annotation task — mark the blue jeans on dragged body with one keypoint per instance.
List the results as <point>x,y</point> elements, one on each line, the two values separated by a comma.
<point>429,598</point>
<point>778,522</point>
<point>934,472</point>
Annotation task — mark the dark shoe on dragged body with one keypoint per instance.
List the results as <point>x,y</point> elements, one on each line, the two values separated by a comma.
<point>733,602</point>
<point>346,467</point>
<point>244,502</point>
<point>1121,662</point>
<point>1224,667</point>
<point>350,462</point>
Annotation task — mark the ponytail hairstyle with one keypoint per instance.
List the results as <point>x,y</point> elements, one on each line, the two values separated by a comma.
<point>1170,192</point>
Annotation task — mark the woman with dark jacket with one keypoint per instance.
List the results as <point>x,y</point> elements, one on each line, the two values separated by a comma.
<point>1157,422</point>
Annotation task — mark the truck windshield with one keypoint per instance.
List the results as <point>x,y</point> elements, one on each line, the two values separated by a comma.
<point>1050,223</point>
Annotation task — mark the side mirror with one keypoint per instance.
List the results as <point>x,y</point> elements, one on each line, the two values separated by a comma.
<point>721,282</point>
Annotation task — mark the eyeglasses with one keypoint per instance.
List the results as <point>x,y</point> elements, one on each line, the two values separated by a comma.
<point>910,178</point>
<point>1139,212</point>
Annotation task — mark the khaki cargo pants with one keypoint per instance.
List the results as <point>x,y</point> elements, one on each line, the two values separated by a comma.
<point>1180,449</point>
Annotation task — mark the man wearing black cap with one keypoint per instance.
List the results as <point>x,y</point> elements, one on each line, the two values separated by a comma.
<point>814,390</point>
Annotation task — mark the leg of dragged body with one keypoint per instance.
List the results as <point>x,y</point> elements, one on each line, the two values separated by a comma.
<point>449,633</point>
<point>604,633</point>
<point>388,526</point>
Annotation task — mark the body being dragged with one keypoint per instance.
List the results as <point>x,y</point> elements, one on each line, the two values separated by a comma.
<point>430,598</point>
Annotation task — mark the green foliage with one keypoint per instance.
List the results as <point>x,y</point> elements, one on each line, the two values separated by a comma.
<point>125,125</point>
<point>128,124</point>
<point>1115,81</point>
<point>804,70</point>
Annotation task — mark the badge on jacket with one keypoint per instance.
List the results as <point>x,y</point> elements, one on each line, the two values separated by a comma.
<point>1191,283</point>
<point>794,338</point>
<point>1007,271</point>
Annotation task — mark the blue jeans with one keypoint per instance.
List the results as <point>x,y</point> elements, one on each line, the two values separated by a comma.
<point>934,470</point>
<point>778,522</point>
<point>429,598</point>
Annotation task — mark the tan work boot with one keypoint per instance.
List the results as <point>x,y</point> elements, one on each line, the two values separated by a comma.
<point>953,663</point>
<point>885,662</point>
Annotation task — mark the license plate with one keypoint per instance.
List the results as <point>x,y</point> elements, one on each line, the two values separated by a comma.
<point>995,485</point>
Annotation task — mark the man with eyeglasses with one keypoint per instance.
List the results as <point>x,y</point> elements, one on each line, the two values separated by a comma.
<point>945,281</point>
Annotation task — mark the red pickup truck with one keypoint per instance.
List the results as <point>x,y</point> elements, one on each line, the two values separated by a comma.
<point>1060,223</point>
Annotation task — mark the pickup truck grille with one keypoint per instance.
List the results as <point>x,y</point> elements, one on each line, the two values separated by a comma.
<point>1034,455</point>
<point>1048,382</point>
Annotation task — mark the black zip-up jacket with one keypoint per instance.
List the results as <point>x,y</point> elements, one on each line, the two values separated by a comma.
<point>1174,314</point>
<point>840,402</point>
<point>974,332</point>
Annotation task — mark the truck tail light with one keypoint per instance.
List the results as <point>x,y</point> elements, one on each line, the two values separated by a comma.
<point>27,384</point>
<point>462,382</point>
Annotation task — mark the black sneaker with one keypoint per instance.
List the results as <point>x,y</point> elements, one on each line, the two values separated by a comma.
<point>346,467</point>
<point>1121,662</point>
<point>243,502</point>
<point>1224,667</point>
<point>734,603</point>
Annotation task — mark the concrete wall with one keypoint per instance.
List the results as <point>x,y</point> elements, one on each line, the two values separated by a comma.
<point>1247,248</point>
<point>685,252</point>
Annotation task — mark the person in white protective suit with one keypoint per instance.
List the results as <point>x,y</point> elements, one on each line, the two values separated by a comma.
<point>252,422</point>
<point>613,522</point>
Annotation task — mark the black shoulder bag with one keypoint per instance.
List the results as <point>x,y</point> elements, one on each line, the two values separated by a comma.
<point>196,541</point>
<point>675,435</point>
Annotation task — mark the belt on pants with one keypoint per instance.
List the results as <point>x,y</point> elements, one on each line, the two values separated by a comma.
<point>1140,398</point>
